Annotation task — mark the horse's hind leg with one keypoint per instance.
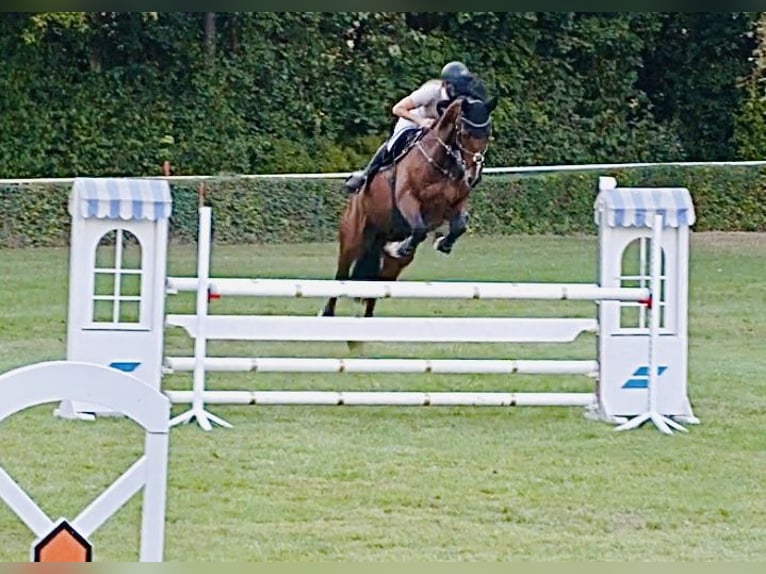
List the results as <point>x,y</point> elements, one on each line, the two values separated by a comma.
<point>390,271</point>
<point>345,260</point>
<point>350,248</point>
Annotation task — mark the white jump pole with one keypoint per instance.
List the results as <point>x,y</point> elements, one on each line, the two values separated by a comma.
<point>204,418</point>
<point>662,422</point>
<point>389,398</point>
<point>419,366</point>
<point>409,289</point>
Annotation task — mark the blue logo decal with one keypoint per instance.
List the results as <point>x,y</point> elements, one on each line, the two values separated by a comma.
<point>127,367</point>
<point>640,379</point>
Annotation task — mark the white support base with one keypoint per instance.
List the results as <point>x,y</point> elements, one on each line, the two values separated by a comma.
<point>66,410</point>
<point>595,412</point>
<point>662,422</point>
<point>204,419</point>
<point>687,419</point>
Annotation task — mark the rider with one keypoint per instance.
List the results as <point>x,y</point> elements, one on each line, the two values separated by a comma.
<point>418,110</point>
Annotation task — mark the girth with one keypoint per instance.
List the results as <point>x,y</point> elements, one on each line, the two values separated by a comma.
<point>399,226</point>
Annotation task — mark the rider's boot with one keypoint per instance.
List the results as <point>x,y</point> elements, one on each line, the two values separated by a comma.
<point>357,179</point>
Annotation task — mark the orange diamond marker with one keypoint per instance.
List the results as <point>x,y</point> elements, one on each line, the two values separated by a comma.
<point>63,544</point>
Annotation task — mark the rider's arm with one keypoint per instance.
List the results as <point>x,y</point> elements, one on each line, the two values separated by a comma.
<point>403,109</point>
<point>422,96</point>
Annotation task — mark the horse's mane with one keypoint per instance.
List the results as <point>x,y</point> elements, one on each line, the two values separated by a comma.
<point>449,117</point>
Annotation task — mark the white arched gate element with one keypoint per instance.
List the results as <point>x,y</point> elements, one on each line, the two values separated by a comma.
<point>122,393</point>
<point>117,209</point>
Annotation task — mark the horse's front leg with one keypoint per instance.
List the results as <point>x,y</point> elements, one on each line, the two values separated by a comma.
<point>458,224</point>
<point>409,207</point>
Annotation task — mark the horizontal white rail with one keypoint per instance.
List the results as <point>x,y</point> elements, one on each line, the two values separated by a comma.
<point>390,329</point>
<point>411,289</point>
<point>436,366</point>
<point>345,174</point>
<point>385,398</point>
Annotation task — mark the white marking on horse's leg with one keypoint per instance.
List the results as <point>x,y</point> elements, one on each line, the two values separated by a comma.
<point>392,248</point>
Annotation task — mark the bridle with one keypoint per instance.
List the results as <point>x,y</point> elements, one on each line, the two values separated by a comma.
<point>477,157</point>
<point>459,156</point>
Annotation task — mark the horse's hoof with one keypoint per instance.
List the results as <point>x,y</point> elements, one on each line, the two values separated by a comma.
<point>441,245</point>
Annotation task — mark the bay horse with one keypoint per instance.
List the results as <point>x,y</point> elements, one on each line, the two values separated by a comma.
<point>427,186</point>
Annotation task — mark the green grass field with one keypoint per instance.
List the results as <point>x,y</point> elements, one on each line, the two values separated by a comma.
<point>395,484</point>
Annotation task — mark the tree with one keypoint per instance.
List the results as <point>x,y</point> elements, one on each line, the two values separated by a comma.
<point>210,38</point>
<point>750,123</point>
<point>693,71</point>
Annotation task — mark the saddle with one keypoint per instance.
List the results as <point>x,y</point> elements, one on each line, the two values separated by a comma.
<point>402,145</point>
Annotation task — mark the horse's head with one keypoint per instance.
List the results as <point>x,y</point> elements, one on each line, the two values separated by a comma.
<point>475,125</point>
<point>465,127</point>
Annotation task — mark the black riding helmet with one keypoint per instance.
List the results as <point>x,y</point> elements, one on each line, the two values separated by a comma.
<point>452,70</point>
<point>451,74</point>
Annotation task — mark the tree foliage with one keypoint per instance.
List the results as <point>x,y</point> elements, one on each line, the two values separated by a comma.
<point>750,121</point>
<point>117,93</point>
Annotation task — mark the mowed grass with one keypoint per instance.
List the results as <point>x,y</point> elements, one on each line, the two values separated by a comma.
<point>391,484</point>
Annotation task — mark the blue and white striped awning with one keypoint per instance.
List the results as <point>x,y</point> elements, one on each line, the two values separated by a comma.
<point>120,198</point>
<point>636,206</point>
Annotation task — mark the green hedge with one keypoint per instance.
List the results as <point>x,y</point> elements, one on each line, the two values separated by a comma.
<point>294,210</point>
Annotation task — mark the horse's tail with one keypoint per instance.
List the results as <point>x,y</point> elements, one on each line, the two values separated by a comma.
<point>367,267</point>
